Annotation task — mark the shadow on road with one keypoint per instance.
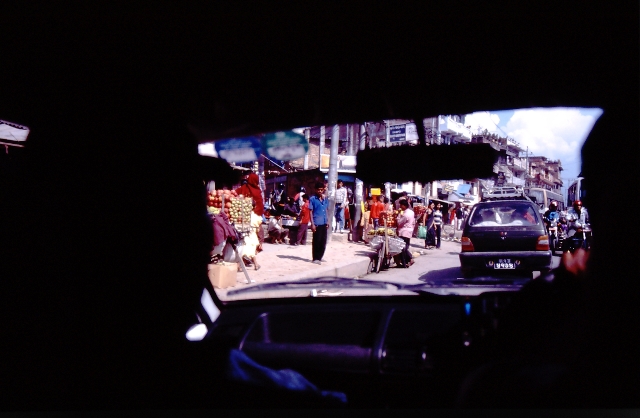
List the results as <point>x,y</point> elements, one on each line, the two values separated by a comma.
<point>451,273</point>
<point>294,257</point>
<point>365,253</point>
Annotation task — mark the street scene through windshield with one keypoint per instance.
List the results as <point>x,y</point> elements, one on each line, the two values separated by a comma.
<point>301,213</point>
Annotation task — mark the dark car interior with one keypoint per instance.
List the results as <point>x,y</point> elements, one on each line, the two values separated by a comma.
<point>105,238</point>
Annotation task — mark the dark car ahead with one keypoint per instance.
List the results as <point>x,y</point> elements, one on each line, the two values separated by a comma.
<point>505,235</point>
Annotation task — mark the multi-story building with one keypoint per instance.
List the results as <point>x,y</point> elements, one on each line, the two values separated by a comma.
<point>544,173</point>
<point>511,168</point>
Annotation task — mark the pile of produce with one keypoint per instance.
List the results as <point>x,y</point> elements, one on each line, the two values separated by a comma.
<point>380,231</point>
<point>237,207</point>
<point>240,210</point>
<point>220,200</point>
<point>390,218</point>
<point>419,210</point>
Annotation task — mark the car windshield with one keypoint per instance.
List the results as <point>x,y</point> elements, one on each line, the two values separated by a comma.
<point>504,214</point>
<point>301,212</point>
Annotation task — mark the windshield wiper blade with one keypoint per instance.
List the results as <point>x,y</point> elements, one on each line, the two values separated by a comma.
<point>317,282</point>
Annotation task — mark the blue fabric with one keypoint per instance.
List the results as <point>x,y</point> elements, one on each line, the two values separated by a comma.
<point>244,369</point>
<point>319,208</point>
<point>463,189</point>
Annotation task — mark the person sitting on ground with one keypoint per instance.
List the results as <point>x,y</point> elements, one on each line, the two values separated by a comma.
<point>277,233</point>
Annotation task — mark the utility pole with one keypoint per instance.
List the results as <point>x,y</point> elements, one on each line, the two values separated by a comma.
<point>306,156</point>
<point>362,144</point>
<point>261,180</point>
<point>333,177</point>
<point>356,230</point>
<point>321,146</point>
<point>387,142</point>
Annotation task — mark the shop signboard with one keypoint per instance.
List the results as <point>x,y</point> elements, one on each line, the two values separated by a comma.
<point>285,145</point>
<point>239,150</point>
<point>398,133</point>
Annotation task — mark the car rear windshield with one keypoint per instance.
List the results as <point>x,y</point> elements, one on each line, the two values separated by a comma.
<point>504,214</point>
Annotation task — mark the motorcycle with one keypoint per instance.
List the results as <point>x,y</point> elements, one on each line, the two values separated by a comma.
<point>578,236</point>
<point>552,230</point>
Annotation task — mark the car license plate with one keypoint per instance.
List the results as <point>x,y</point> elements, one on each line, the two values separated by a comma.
<point>504,263</point>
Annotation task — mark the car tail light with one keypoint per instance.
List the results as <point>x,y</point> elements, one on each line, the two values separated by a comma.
<point>467,245</point>
<point>543,243</point>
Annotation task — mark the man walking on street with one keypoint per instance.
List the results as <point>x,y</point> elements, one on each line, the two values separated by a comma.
<point>406,223</point>
<point>437,222</point>
<point>341,203</point>
<point>459,217</point>
<point>319,223</point>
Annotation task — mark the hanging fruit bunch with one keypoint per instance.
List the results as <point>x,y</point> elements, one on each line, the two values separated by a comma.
<point>240,209</point>
<point>419,210</point>
<point>381,231</point>
<point>389,217</point>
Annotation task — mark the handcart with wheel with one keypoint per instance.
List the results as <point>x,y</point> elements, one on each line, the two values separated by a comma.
<point>386,245</point>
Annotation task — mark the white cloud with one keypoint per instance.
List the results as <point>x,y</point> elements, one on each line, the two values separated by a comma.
<point>556,133</point>
<point>479,121</point>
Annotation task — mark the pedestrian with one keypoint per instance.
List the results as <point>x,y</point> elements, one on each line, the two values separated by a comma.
<point>459,217</point>
<point>377,207</point>
<point>341,203</point>
<point>291,210</point>
<point>406,223</point>
<point>276,231</point>
<point>305,218</point>
<point>298,197</point>
<point>451,215</point>
<point>403,195</point>
<point>280,198</point>
<point>427,220</point>
<point>318,205</point>
<point>388,207</point>
<point>437,222</point>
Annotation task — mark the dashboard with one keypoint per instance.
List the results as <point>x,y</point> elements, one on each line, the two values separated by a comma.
<point>381,352</point>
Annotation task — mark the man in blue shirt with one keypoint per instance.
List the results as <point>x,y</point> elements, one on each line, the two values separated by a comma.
<point>319,222</point>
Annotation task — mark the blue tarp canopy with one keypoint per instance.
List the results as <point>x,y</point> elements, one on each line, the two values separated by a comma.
<point>463,189</point>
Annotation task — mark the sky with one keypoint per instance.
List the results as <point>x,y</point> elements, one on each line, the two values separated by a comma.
<point>555,133</point>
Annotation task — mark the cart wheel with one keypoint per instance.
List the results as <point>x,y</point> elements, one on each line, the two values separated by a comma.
<point>380,259</point>
<point>385,263</point>
<point>372,264</point>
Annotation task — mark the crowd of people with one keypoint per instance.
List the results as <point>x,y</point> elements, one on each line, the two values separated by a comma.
<point>303,212</point>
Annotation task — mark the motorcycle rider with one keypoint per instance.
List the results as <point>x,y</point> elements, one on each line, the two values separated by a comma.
<point>552,219</point>
<point>552,213</point>
<point>577,216</point>
<point>578,219</point>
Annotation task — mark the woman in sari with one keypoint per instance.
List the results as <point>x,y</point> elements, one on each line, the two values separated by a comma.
<point>427,220</point>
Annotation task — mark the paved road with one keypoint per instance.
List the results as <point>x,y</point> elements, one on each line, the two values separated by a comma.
<point>436,266</point>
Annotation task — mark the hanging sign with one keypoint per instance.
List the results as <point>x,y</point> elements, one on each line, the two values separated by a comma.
<point>397,133</point>
<point>239,150</point>
<point>285,146</point>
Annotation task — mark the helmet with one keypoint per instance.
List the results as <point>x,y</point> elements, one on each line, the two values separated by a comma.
<point>553,204</point>
<point>577,203</point>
